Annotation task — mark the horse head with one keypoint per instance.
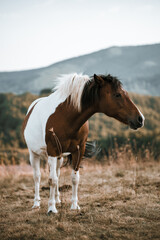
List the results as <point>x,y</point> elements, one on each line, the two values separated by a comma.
<point>115,102</point>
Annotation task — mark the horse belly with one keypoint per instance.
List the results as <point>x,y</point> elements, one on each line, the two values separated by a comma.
<point>34,138</point>
<point>33,132</point>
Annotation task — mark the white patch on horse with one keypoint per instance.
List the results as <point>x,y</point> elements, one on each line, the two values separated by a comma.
<point>33,103</point>
<point>75,182</point>
<point>143,118</point>
<point>53,182</point>
<point>35,129</point>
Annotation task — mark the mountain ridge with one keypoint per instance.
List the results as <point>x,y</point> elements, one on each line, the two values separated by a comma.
<point>131,64</point>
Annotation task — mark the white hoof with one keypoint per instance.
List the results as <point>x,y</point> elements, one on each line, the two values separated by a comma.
<point>75,206</point>
<point>58,200</point>
<point>52,209</point>
<point>36,205</point>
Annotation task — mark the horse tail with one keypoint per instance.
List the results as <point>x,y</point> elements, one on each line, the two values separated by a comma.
<point>92,149</point>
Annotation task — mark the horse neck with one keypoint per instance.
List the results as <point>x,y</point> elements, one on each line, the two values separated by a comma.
<point>68,114</point>
<point>74,118</point>
<point>83,116</point>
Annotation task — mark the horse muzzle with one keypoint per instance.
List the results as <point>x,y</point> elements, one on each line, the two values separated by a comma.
<point>136,123</point>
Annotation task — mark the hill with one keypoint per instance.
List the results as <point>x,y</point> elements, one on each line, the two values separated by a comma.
<point>138,67</point>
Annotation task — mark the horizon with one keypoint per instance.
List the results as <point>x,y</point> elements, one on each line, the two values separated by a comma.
<point>36,68</point>
<point>37,34</point>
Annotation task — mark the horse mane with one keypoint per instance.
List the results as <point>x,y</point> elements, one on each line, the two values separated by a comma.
<point>82,89</point>
<point>71,85</point>
<point>91,91</point>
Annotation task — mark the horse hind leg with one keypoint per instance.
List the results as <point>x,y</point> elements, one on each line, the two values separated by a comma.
<point>35,162</point>
<point>53,181</point>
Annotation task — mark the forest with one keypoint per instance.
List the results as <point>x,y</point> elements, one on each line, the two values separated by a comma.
<point>113,137</point>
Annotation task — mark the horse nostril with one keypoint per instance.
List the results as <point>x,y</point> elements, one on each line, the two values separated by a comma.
<point>140,119</point>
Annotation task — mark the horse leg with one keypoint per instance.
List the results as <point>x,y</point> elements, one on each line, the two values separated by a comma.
<point>75,182</point>
<point>53,181</point>
<point>59,164</point>
<point>76,159</point>
<point>35,162</point>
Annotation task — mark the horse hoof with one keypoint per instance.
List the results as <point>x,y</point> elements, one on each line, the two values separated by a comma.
<point>58,200</point>
<point>75,207</point>
<point>36,204</point>
<point>52,210</point>
<point>50,213</point>
<point>35,207</point>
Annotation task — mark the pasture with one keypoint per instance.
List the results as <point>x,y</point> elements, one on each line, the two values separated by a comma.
<point>118,201</point>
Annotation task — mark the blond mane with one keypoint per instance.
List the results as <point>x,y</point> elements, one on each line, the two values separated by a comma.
<point>72,85</point>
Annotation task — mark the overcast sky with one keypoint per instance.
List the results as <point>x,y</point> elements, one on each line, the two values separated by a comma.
<point>37,33</point>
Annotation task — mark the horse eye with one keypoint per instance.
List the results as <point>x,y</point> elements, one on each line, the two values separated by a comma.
<point>118,95</point>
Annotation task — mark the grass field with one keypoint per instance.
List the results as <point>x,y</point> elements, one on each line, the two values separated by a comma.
<point>117,202</point>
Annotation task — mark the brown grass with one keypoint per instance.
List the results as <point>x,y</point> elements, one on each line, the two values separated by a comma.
<point>117,202</point>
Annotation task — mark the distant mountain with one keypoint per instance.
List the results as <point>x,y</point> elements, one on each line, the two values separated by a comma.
<point>138,67</point>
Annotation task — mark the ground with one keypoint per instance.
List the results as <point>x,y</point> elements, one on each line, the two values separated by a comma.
<point>117,202</point>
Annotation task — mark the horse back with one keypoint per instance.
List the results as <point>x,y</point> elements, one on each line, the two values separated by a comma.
<point>27,117</point>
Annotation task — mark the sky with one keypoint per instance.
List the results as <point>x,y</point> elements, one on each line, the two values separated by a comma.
<point>37,33</point>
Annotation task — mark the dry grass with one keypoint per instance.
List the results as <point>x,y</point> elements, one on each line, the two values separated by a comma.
<point>117,202</point>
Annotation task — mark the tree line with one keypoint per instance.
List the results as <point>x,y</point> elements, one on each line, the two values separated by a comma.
<point>109,133</point>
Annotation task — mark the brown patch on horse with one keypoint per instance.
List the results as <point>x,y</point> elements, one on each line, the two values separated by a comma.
<point>70,128</point>
<point>26,118</point>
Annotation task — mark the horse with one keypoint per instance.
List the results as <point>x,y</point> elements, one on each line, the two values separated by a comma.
<point>57,125</point>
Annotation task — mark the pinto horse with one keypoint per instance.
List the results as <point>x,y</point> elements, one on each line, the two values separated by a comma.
<point>57,125</point>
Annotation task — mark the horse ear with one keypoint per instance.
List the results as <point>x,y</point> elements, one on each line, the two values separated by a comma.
<point>99,80</point>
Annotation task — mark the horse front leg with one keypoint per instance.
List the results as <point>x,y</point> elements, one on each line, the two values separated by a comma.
<point>76,159</point>
<point>59,164</point>
<point>75,182</point>
<point>53,181</point>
